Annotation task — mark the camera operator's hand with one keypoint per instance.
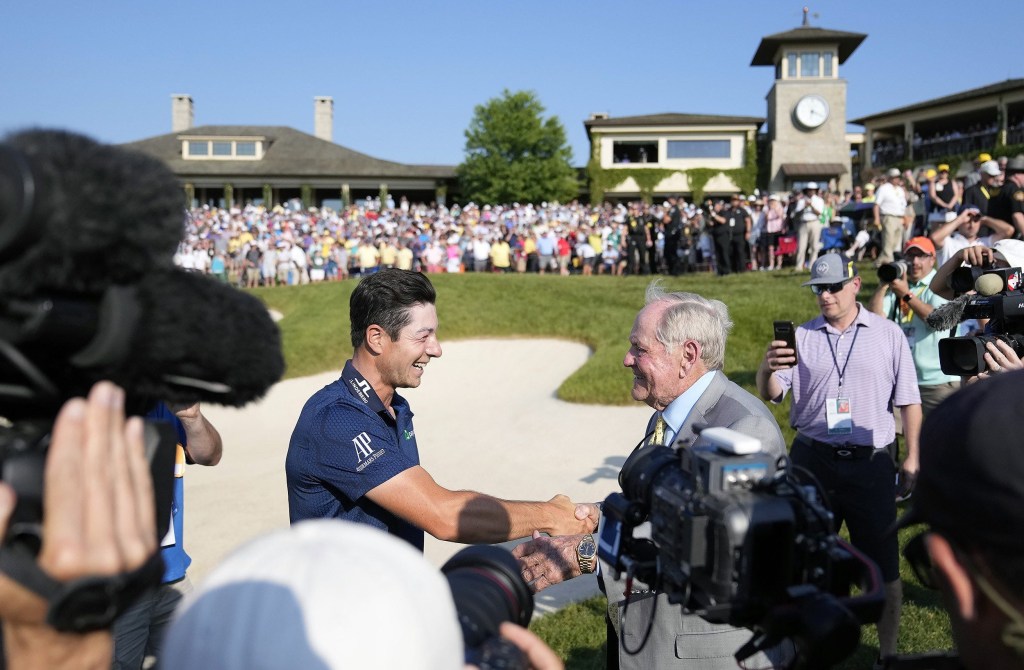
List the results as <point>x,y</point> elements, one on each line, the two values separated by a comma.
<point>99,520</point>
<point>978,256</point>
<point>999,358</point>
<point>544,561</point>
<point>899,286</point>
<point>571,518</point>
<point>539,655</point>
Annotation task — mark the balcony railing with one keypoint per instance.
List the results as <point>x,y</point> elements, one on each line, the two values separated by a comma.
<point>955,144</point>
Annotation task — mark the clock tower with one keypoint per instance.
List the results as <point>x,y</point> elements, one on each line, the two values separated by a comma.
<point>807,106</point>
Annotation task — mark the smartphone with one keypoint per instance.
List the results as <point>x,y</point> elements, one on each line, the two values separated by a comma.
<point>785,331</point>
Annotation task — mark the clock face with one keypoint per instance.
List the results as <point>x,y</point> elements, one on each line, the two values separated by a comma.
<point>811,111</point>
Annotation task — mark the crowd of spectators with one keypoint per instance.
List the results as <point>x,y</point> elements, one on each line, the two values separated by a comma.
<point>252,245</point>
<point>288,244</point>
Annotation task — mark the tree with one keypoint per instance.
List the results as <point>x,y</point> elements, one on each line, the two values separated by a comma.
<point>514,155</point>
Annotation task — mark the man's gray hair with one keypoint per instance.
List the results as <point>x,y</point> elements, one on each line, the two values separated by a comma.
<point>692,317</point>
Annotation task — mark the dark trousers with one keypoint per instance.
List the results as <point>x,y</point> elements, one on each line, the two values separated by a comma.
<point>863,494</point>
<point>634,255</point>
<point>738,253</point>
<point>672,254</point>
<point>723,254</point>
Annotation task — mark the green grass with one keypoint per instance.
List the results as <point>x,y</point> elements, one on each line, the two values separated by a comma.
<point>597,311</point>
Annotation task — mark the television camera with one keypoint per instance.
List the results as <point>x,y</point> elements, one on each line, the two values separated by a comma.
<point>736,538</point>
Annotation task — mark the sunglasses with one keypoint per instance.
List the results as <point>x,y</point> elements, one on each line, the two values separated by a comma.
<point>818,289</point>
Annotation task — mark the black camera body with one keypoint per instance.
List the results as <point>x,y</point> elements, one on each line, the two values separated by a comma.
<point>1004,309</point>
<point>736,540</point>
<point>890,272</point>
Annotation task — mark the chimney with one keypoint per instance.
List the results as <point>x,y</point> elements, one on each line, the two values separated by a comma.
<point>181,112</point>
<point>323,117</point>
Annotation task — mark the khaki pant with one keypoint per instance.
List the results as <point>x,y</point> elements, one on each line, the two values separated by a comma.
<point>892,238</point>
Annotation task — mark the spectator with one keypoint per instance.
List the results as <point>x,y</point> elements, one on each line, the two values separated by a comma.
<point>774,225</point>
<point>807,212</point>
<point>853,368</point>
<point>501,256</point>
<point>890,211</point>
<point>978,195</point>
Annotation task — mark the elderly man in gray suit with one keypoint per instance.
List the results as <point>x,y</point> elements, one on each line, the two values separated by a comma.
<point>676,352</point>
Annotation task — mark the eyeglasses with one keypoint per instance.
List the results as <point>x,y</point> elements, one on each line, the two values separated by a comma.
<point>818,289</point>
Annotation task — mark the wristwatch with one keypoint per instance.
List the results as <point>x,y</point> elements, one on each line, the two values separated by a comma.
<point>907,298</point>
<point>586,553</point>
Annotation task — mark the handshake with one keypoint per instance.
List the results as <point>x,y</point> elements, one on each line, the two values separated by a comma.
<point>99,527</point>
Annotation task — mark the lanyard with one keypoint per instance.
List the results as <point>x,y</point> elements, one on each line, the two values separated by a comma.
<point>835,359</point>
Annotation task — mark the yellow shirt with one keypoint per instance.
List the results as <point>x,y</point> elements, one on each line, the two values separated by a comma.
<point>403,260</point>
<point>501,254</point>
<point>368,256</point>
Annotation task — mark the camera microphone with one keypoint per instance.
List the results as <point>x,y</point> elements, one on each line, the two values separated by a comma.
<point>989,285</point>
<point>77,216</point>
<point>949,315</point>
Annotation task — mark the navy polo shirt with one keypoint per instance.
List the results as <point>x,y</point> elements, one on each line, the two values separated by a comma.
<point>345,444</point>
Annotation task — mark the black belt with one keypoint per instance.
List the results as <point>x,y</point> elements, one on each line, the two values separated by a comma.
<point>841,452</point>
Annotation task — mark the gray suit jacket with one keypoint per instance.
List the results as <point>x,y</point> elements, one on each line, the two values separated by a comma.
<point>687,641</point>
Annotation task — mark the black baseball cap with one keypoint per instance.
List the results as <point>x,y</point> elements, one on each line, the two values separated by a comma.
<point>971,483</point>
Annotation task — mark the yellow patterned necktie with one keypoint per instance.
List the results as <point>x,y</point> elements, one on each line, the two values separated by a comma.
<point>659,431</point>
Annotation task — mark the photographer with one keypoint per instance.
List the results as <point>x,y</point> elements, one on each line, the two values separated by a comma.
<point>971,497</point>
<point>999,356</point>
<point>907,300</point>
<point>1003,254</point>
<point>99,520</point>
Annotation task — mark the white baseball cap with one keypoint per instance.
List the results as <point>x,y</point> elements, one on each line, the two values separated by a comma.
<point>322,594</point>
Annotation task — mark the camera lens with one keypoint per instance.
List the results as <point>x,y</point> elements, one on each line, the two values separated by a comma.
<point>487,589</point>
<point>892,271</point>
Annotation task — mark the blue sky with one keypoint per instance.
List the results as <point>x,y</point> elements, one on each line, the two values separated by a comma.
<point>406,75</point>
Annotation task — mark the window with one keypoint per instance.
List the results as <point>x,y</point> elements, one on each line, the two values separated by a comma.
<point>222,148</point>
<point>809,64</point>
<point>791,65</point>
<point>828,63</point>
<point>643,151</point>
<point>778,70</point>
<point>699,149</point>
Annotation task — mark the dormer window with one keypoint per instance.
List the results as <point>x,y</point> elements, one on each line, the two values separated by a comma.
<point>222,148</point>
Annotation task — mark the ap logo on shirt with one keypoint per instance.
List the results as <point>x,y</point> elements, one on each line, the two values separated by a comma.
<point>364,451</point>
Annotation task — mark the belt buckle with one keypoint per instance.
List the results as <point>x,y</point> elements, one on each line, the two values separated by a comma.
<point>844,452</point>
